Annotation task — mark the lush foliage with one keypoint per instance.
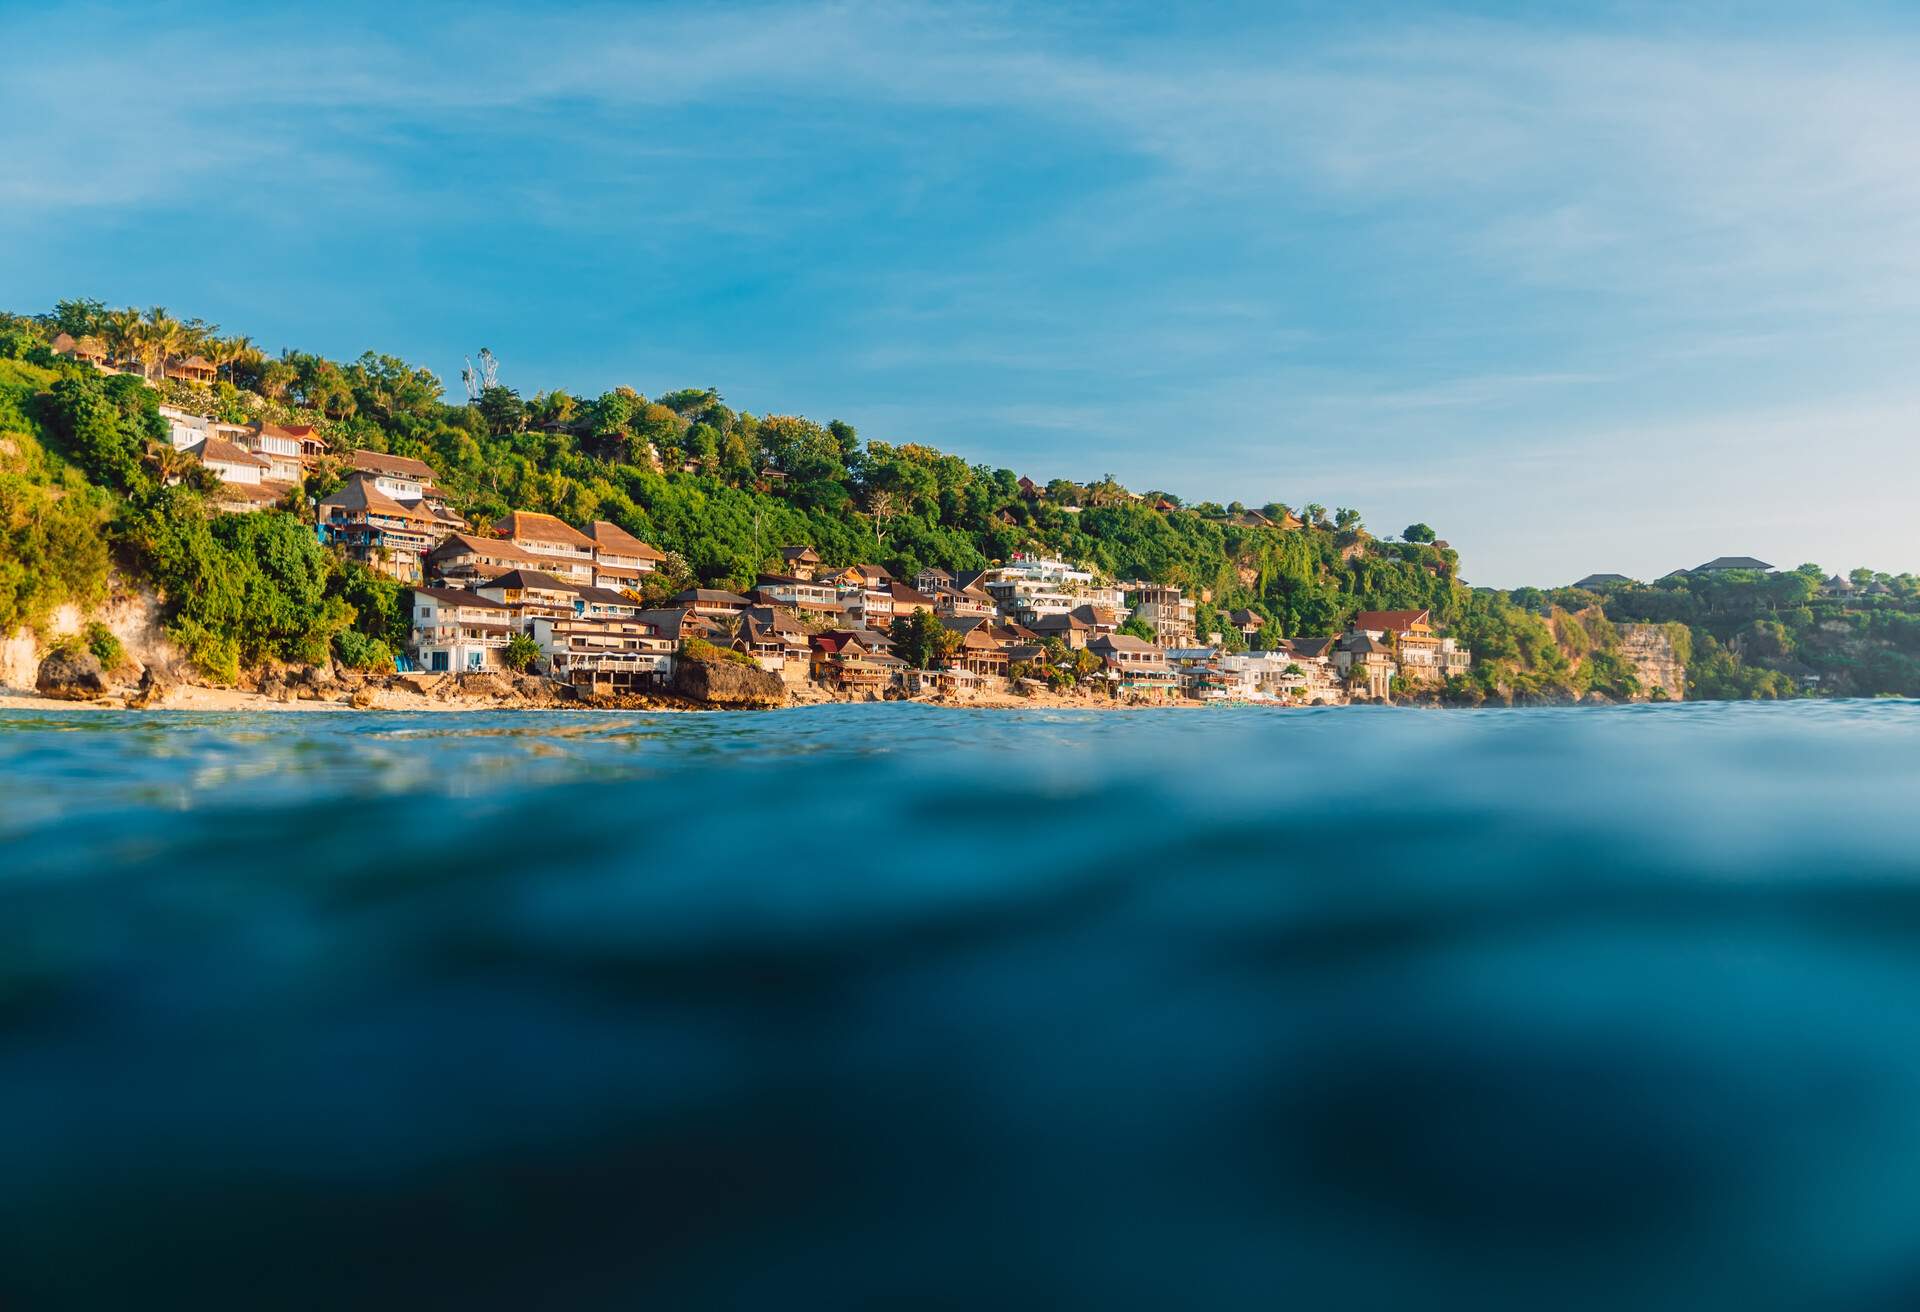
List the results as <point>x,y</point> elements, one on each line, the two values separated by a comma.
<point>699,649</point>
<point>521,654</point>
<point>82,467</point>
<point>53,548</point>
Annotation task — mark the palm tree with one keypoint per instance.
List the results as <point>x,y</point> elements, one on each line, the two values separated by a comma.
<point>236,350</point>
<point>160,337</point>
<point>168,463</point>
<point>122,331</point>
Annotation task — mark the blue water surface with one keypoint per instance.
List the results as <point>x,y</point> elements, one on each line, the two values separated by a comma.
<point>900,1006</point>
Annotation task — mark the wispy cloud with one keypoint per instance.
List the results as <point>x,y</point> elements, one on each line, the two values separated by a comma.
<point>1438,241</point>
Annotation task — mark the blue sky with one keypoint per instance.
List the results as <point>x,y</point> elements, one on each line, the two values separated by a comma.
<point>1615,293</point>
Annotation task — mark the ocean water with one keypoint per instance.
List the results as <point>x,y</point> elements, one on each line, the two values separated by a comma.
<point>898,1006</point>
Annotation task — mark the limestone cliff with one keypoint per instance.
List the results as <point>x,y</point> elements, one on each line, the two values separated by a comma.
<point>1656,659</point>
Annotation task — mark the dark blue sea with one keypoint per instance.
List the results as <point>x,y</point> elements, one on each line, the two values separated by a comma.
<point>897,1006</point>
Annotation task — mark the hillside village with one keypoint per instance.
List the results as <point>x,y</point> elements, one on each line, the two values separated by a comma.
<point>573,597</point>
<point>605,545</point>
<point>530,592</point>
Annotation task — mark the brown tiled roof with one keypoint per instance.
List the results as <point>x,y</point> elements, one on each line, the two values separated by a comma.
<point>776,619</point>
<point>530,578</point>
<point>379,462</point>
<point>298,432</point>
<point>493,548</point>
<point>605,596</point>
<point>674,620</point>
<point>263,493</point>
<point>611,537</point>
<point>1122,642</point>
<point>1391,621</point>
<point>218,448</point>
<point>359,493</point>
<point>696,596</point>
<point>533,526</point>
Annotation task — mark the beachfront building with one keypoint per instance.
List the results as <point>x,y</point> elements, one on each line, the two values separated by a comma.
<point>620,560</point>
<point>961,603</point>
<point>1421,654</point>
<point>679,624</point>
<point>190,369</point>
<point>311,445</point>
<point>983,647</point>
<point>603,655</point>
<point>1366,663</point>
<point>557,547</point>
<point>230,462</point>
<point>1027,587</point>
<point>800,594</point>
<point>1165,609</point>
<point>376,530</point>
<point>1134,664</point>
<point>907,601</point>
<point>1077,627</point>
<point>185,429</point>
<point>530,593</point>
<point>459,631</point>
<point>855,660</point>
<point>465,558</point>
<point>1248,622</point>
<point>774,639</point>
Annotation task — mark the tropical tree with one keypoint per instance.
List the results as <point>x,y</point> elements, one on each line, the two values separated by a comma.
<point>922,641</point>
<point>521,653</point>
<point>159,338</point>
<point>121,329</point>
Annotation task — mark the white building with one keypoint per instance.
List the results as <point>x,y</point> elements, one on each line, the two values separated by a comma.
<point>461,631</point>
<point>1027,587</point>
<point>281,451</point>
<point>616,654</point>
<point>400,477</point>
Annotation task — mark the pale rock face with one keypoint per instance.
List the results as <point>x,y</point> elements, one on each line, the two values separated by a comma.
<point>134,618</point>
<point>1654,660</point>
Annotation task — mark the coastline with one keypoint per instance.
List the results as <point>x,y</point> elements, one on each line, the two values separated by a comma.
<point>194,697</point>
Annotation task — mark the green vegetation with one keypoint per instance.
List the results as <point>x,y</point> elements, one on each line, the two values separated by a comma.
<point>699,649</point>
<point>86,476</point>
<point>1755,634</point>
<point>105,646</point>
<point>522,653</point>
<point>53,546</point>
<point>356,651</point>
<point>922,641</point>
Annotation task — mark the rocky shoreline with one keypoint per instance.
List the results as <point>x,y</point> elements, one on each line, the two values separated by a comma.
<point>74,680</point>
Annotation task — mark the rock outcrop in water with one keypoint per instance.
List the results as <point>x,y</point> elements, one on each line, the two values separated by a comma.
<point>72,675</point>
<point>728,683</point>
